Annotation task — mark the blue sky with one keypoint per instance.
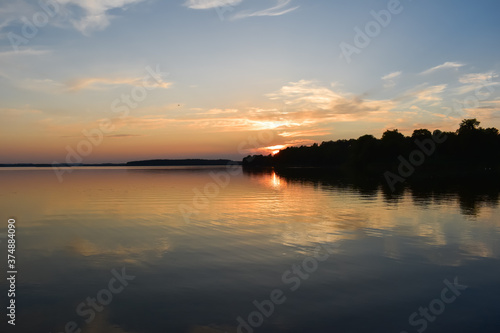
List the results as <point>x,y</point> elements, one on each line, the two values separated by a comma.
<point>227,70</point>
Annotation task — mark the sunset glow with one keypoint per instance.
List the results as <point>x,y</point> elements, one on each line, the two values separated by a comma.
<point>139,79</point>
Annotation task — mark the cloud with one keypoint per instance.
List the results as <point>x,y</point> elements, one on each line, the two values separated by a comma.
<point>484,89</point>
<point>245,123</point>
<point>16,64</point>
<point>392,75</point>
<point>389,79</point>
<point>422,93</point>
<point>479,83</point>
<point>355,105</point>
<point>98,83</point>
<point>279,9</point>
<point>19,112</point>
<point>306,94</point>
<point>94,14</point>
<point>483,110</point>
<point>432,93</point>
<point>311,110</point>
<point>219,120</point>
<point>478,77</point>
<point>122,135</point>
<point>11,60</point>
<point>85,16</point>
<point>442,66</point>
<point>27,51</point>
<point>319,101</point>
<point>312,132</point>
<point>47,86</point>
<point>107,136</point>
<point>218,111</point>
<point>146,122</point>
<point>209,4</point>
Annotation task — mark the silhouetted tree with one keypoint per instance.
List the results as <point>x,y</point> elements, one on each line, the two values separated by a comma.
<point>468,126</point>
<point>468,150</point>
<point>421,134</point>
<point>391,136</point>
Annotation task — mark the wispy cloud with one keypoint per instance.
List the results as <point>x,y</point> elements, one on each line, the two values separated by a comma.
<point>85,16</point>
<point>122,135</point>
<point>391,76</point>
<point>146,122</point>
<point>479,83</point>
<point>19,112</point>
<point>422,94</point>
<point>47,86</point>
<point>306,95</point>
<point>279,9</point>
<point>218,111</point>
<point>236,124</point>
<point>447,64</point>
<point>389,79</point>
<point>477,77</point>
<point>313,132</point>
<point>484,110</point>
<point>282,7</point>
<point>99,83</point>
<point>26,51</point>
<point>432,93</point>
<point>209,4</point>
<point>94,14</point>
<point>11,61</point>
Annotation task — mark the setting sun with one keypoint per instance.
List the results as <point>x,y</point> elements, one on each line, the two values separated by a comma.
<point>275,149</point>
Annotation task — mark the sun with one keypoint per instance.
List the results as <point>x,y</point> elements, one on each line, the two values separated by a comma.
<point>274,149</point>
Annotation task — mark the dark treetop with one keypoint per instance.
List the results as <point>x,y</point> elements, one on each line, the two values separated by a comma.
<point>469,151</point>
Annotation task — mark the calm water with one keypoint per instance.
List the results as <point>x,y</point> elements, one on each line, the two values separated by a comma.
<point>335,257</point>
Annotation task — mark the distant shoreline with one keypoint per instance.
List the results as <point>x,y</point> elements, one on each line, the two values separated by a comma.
<point>156,162</point>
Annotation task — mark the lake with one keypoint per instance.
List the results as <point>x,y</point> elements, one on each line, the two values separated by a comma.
<point>207,249</point>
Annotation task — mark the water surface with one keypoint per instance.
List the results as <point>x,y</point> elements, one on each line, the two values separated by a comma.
<point>384,255</point>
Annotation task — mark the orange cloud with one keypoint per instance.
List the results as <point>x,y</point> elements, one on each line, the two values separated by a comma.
<point>99,83</point>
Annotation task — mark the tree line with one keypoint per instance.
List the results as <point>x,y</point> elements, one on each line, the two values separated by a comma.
<point>470,150</point>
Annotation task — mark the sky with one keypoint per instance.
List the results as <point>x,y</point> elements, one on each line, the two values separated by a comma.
<point>117,80</point>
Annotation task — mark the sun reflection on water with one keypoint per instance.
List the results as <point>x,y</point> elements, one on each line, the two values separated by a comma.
<point>275,180</point>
